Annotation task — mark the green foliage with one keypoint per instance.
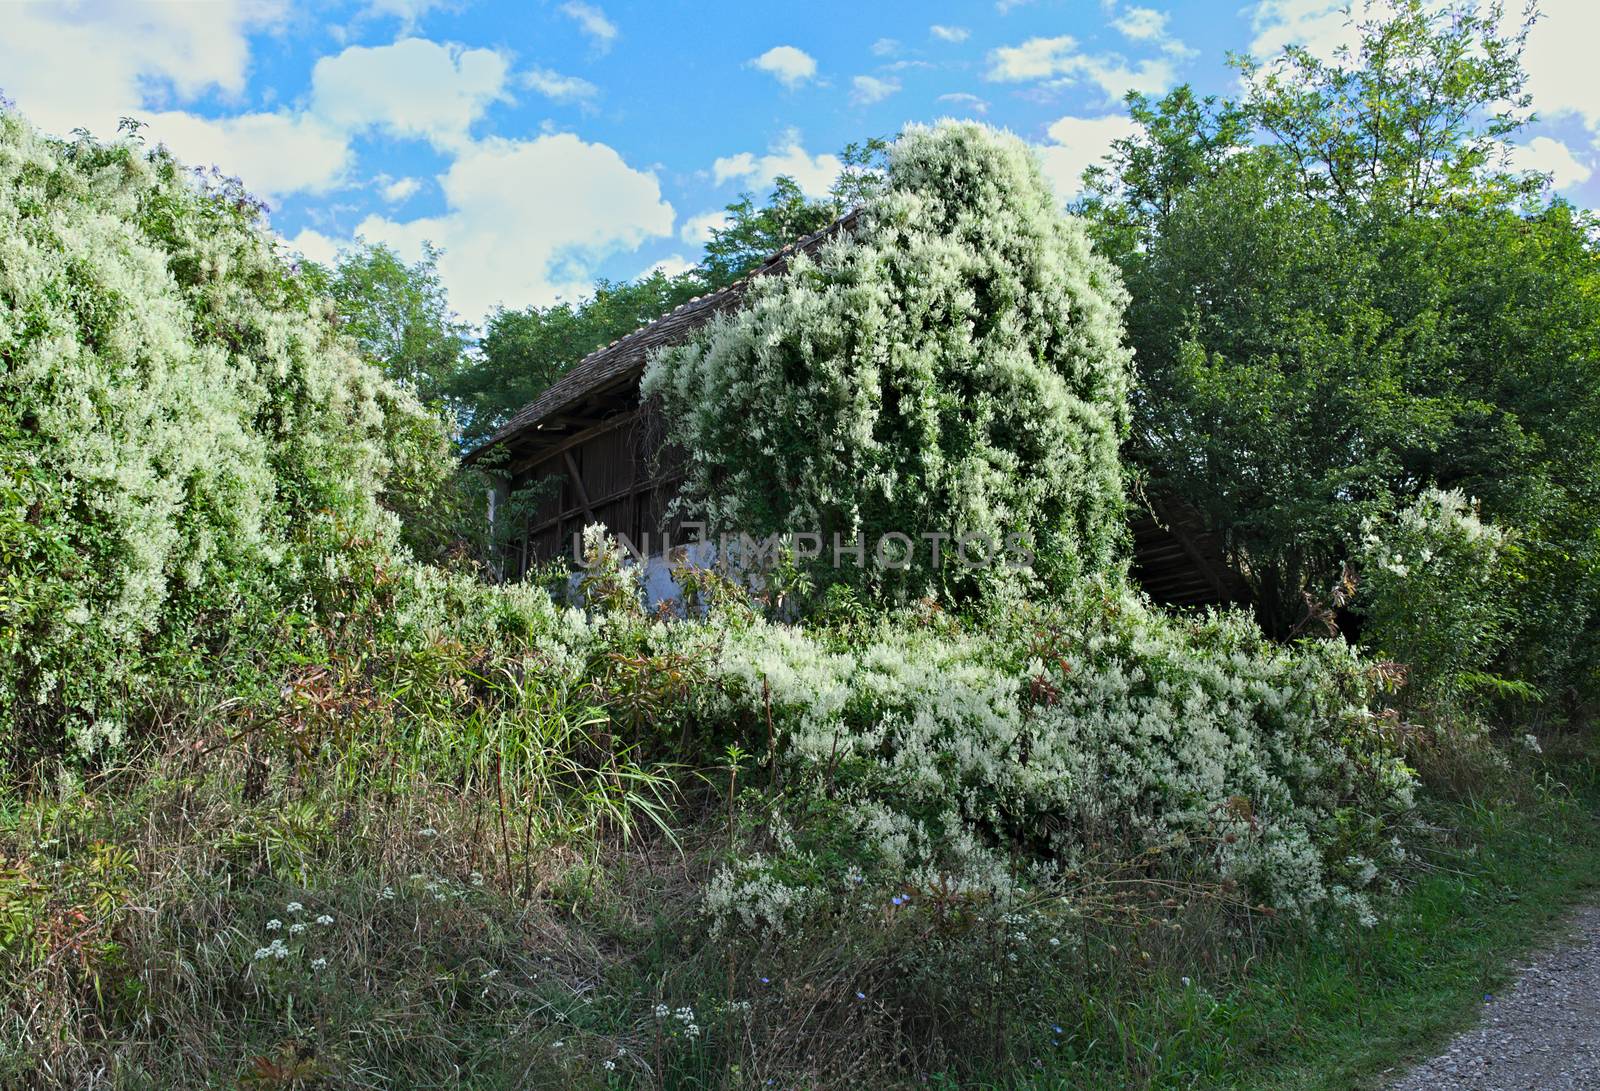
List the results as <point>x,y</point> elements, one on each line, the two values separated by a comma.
<point>953,365</point>
<point>524,351</point>
<point>1415,114</point>
<point>183,432</point>
<point>1359,307</point>
<point>398,316</point>
<point>754,232</point>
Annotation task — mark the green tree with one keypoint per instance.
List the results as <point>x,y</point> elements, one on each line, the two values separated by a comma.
<point>1340,300</point>
<point>754,232</point>
<point>1417,111</point>
<point>523,351</point>
<point>397,314</point>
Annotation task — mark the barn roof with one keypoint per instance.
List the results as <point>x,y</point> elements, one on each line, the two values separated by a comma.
<point>606,381</point>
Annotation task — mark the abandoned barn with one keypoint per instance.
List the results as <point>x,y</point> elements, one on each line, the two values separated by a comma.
<point>604,458</point>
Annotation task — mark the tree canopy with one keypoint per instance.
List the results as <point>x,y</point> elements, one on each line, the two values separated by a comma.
<point>1342,297</point>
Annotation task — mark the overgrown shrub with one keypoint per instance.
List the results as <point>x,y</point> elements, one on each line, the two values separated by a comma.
<point>920,752</point>
<point>952,364</point>
<point>184,438</point>
<point>1434,597</point>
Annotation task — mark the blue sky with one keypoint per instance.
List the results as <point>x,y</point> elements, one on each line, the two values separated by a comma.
<point>545,143</point>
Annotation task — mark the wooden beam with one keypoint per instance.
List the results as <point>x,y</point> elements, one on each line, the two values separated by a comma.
<point>647,486</point>
<point>577,484</point>
<point>567,443</point>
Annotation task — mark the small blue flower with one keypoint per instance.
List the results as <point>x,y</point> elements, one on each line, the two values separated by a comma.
<point>861,996</point>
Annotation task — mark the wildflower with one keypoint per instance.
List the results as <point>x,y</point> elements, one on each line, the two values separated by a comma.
<point>427,831</point>
<point>1185,981</point>
<point>319,964</point>
<point>387,894</point>
<point>1054,942</point>
<point>324,920</point>
<point>661,1011</point>
<point>296,929</point>
<point>275,949</point>
<point>610,1065</point>
<point>1531,742</point>
<point>692,1030</point>
<point>274,924</point>
<point>861,996</point>
<point>557,1044</point>
<point>294,907</point>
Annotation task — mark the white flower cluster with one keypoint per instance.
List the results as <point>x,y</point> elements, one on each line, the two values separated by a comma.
<point>1056,726</point>
<point>193,421</point>
<point>954,361</point>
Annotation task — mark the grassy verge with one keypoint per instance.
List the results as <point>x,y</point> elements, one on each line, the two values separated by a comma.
<point>1344,1008</point>
<point>332,935</point>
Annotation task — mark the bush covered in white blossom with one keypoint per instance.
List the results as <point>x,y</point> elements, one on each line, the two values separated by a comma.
<point>184,438</point>
<point>951,364</point>
<point>1434,597</point>
<point>946,749</point>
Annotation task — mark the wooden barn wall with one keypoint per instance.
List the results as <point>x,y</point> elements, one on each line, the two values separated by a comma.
<point>620,481</point>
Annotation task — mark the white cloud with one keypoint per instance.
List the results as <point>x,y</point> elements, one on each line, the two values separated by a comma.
<point>1321,26</point>
<point>1059,58</point>
<point>1077,143</point>
<point>407,11</point>
<point>85,63</point>
<point>788,65</point>
<point>400,189</point>
<point>885,47</point>
<point>501,242</point>
<point>556,86</point>
<point>697,229</point>
<point>671,266</point>
<point>1554,158</point>
<point>415,87</point>
<point>866,90</point>
<point>1034,59</point>
<point>949,34</point>
<point>1004,7</point>
<point>593,23</point>
<point>1142,24</point>
<point>813,173</point>
<point>963,100</point>
<point>1560,60</point>
<point>274,154</point>
<point>317,246</point>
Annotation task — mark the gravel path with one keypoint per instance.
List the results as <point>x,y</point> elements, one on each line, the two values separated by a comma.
<point>1541,1034</point>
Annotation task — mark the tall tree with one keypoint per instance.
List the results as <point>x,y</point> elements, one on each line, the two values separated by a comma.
<point>1341,297</point>
<point>397,314</point>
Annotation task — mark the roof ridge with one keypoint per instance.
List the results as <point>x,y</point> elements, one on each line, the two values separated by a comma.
<point>524,417</point>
